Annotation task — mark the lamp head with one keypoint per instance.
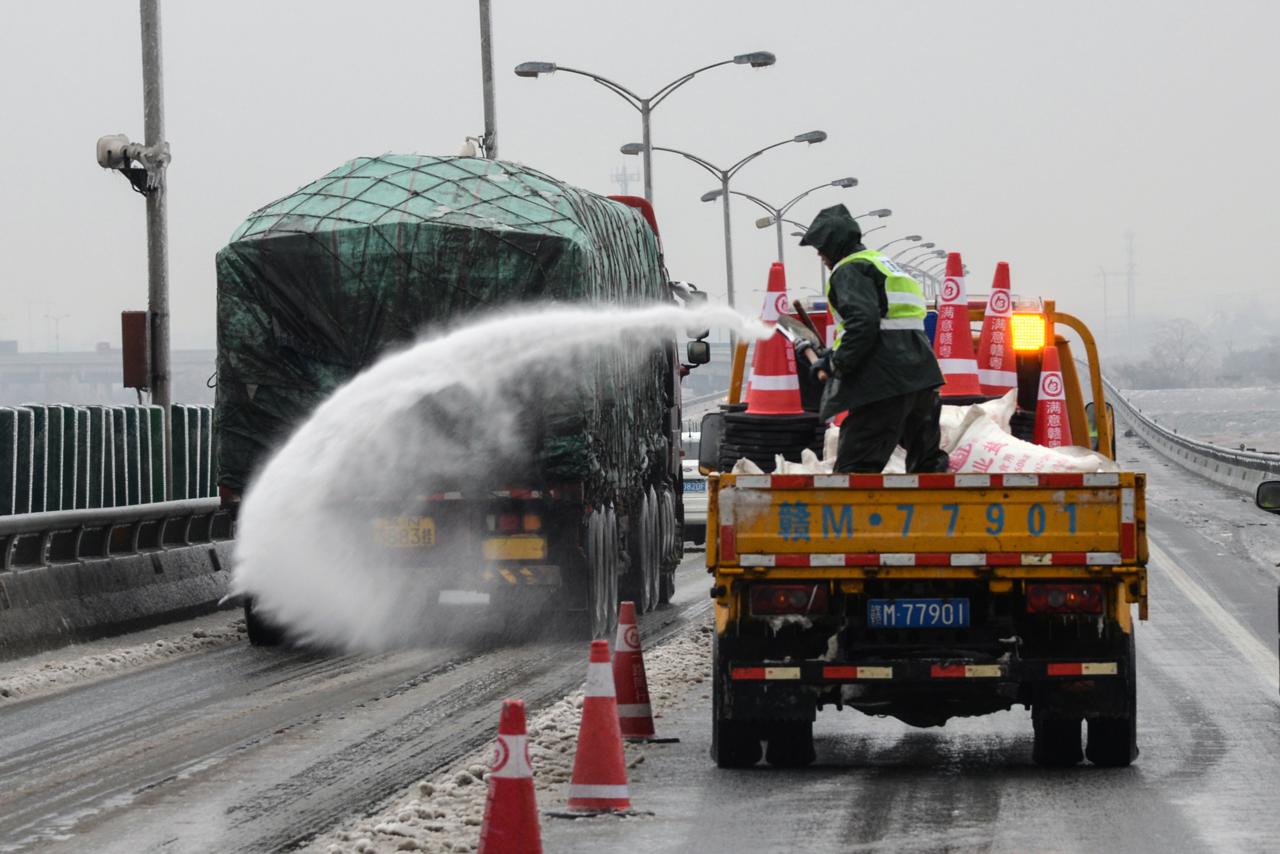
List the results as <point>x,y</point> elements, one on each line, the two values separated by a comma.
<point>756,59</point>
<point>533,69</point>
<point>712,195</point>
<point>880,212</point>
<point>764,222</point>
<point>912,237</point>
<point>845,182</point>
<point>632,148</point>
<point>810,137</point>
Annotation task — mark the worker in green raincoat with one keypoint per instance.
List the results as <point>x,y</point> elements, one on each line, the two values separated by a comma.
<point>881,367</point>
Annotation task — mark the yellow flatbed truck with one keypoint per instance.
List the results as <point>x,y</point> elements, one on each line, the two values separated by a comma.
<point>931,596</point>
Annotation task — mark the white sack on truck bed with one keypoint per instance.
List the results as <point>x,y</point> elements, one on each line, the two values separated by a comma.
<point>978,439</point>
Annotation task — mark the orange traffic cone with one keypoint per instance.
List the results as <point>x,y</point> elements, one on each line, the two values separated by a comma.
<point>997,371</point>
<point>953,342</point>
<point>1053,429</point>
<point>511,811</point>
<point>635,715</point>
<point>774,387</point>
<point>599,781</point>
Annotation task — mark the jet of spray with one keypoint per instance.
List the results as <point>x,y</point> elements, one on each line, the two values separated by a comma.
<point>452,409</point>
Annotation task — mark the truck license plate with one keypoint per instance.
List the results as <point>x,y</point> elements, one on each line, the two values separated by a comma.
<point>405,532</point>
<point>695,486</point>
<point>918,613</point>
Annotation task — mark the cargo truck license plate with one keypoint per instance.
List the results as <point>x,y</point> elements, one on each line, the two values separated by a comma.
<point>405,532</point>
<point>695,486</point>
<point>918,613</point>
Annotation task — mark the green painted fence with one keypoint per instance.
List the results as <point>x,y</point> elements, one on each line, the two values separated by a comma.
<point>62,457</point>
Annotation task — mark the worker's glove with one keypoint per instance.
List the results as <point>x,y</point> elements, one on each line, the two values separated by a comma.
<point>821,369</point>
<point>803,346</point>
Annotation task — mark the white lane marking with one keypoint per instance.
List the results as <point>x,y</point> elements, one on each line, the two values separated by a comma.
<point>1263,660</point>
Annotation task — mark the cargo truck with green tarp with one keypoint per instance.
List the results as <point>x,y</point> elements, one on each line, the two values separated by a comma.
<point>315,287</point>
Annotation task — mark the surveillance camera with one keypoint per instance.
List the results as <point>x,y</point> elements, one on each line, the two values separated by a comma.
<point>112,151</point>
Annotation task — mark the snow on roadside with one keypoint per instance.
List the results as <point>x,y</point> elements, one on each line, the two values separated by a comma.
<point>50,672</point>
<point>444,814</point>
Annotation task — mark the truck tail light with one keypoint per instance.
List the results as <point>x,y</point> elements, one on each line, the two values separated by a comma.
<point>1064,598</point>
<point>508,523</point>
<point>531,522</point>
<point>779,599</point>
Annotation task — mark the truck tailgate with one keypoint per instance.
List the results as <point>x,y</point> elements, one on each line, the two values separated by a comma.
<point>940,520</point>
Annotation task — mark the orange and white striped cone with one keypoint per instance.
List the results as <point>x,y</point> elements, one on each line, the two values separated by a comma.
<point>953,341</point>
<point>997,370</point>
<point>635,713</point>
<point>511,810</point>
<point>774,386</point>
<point>599,782</point>
<point>1053,427</point>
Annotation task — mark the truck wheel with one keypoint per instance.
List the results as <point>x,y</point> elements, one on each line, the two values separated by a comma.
<point>734,744</point>
<point>657,551</point>
<point>674,545</point>
<point>790,744</point>
<point>611,561</point>
<point>1057,741</point>
<point>598,571</point>
<point>261,631</point>
<point>1113,742</point>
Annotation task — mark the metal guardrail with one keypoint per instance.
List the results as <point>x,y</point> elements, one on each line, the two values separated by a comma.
<point>1238,469</point>
<point>34,540</point>
<point>67,457</point>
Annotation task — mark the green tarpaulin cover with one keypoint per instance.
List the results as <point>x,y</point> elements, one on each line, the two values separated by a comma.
<point>314,287</point>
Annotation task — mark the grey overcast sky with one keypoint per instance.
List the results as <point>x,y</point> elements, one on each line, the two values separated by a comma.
<point>1033,132</point>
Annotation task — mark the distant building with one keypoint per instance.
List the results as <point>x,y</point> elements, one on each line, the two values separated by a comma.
<point>93,377</point>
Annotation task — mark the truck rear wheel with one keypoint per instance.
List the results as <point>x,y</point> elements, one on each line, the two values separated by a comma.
<point>1113,741</point>
<point>601,571</point>
<point>673,548</point>
<point>261,631</point>
<point>734,744</point>
<point>646,560</point>
<point>1057,740</point>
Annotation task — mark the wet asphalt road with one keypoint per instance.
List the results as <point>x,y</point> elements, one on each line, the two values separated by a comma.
<point>252,750</point>
<point>1208,778</point>
<point>244,749</point>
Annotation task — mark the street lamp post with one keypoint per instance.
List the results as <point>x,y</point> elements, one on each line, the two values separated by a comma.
<point>725,175</point>
<point>645,106</point>
<point>776,214</point>
<point>912,237</point>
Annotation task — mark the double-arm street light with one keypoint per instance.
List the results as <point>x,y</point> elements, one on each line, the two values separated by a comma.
<point>914,260</point>
<point>912,237</point>
<point>777,213</point>
<point>725,175</point>
<point>911,249</point>
<point>765,222</point>
<point>755,59</point>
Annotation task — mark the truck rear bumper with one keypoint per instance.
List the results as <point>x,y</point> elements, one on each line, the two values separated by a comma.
<point>917,671</point>
<point>924,692</point>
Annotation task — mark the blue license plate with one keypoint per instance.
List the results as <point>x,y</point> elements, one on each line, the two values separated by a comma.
<point>695,486</point>
<point>918,613</point>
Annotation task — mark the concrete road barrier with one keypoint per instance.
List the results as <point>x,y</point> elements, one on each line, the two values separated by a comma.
<point>76,575</point>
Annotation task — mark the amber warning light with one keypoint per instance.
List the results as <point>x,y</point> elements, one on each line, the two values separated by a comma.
<point>1028,332</point>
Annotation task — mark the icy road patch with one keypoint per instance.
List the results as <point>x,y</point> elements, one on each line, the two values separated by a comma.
<point>47,673</point>
<point>444,813</point>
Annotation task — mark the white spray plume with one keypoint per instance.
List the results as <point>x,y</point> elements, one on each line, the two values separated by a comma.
<point>303,541</point>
